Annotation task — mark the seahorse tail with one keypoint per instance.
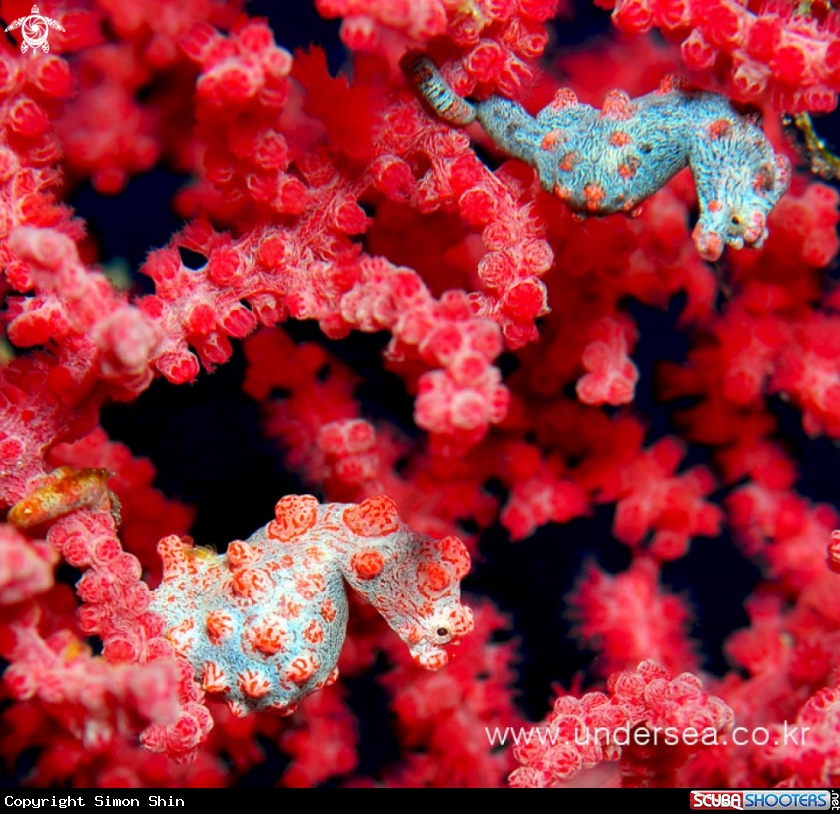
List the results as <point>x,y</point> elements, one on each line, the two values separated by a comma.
<point>424,74</point>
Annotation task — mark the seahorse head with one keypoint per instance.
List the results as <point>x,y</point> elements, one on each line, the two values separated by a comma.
<point>411,579</point>
<point>739,180</point>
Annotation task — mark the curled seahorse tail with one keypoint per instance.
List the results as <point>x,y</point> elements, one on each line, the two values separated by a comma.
<point>425,76</point>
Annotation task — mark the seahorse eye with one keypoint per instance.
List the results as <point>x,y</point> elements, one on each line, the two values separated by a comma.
<point>442,632</point>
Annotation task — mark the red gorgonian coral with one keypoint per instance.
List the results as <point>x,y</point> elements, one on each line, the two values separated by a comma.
<point>551,370</point>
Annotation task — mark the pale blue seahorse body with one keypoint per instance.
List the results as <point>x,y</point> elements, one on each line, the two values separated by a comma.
<point>600,162</point>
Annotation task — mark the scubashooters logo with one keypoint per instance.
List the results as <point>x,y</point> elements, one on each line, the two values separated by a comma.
<point>35,29</point>
<point>773,800</point>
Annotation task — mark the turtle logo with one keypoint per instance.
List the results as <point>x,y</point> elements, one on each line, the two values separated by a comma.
<point>35,30</point>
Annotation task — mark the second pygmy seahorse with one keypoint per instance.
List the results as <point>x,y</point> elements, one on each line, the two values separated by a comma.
<point>263,624</point>
<point>600,162</point>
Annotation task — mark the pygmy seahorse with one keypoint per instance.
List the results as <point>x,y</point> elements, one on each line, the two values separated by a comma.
<point>600,162</point>
<point>263,624</point>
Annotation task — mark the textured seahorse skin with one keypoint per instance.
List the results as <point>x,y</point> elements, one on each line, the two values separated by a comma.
<point>605,161</point>
<point>263,624</point>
